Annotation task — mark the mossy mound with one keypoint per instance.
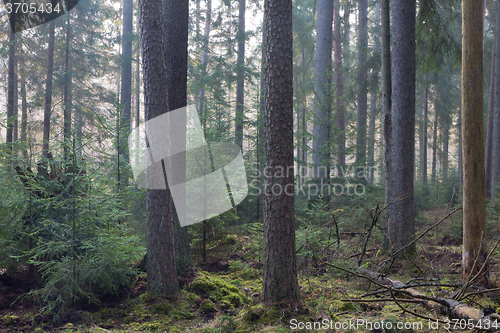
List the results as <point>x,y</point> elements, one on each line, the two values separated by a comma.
<point>217,290</point>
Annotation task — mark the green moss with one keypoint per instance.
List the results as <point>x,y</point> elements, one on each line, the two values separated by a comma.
<point>207,306</point>
<point>215,288</point>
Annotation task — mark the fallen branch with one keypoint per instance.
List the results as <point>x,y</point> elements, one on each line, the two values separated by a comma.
<point>449,307</point>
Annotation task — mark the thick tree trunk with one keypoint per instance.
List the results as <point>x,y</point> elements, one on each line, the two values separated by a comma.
<point>175,27</point>
<point>339,86</point>
<point>401,214</point>
<point>240,76</point>
<point>322,90</point>
<point>162,276</point>
<point>362,83</point>
<point>474,190</point>
<point>48,92</point>
<point>279,258</point>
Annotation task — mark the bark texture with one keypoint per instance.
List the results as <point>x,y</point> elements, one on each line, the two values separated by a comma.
<point>322,90</point>
<point>162,276</point>
<point>401,155</point>
<point>279,258</point>
<point>495,172</point>
<point>474,187</point>
<point>175,28</point>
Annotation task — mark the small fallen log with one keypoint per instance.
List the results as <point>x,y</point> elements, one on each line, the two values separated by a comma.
<point>451,308</point>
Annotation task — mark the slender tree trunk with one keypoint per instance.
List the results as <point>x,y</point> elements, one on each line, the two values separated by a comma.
<point>279,258</point>
<point>490,122</point>
<point>126,82</point>
<point>67,96</point>
<point>322,87</point>
<point>426,112</point>
<point>460,155</point>
<point>401,214</point>
<point>24,108</point>
<point>48,92</point>
<point>15,125</point>
<point>339,86</point>
<point>162,275</point>
<point>204,58</point>
<point>240,75</point>
<point>362,83</point>
<point>386,99</point>
<point>11,88</point>
<point>434,145</point>
<point>175,27</point>
<point>371,136</point>
<point>446,141</point>
<point>474,191</point>
<point>495,177</point>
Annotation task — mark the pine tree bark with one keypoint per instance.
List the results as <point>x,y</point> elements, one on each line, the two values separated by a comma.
<point>279,257</point>
<point>175,28</point>
<point>162,276</point>
<point>240,76</point>
<point>474,189</point>
<point>362,83</point>
<point>48,91</point>
<point>204,58</point>
<point>24,108</point>
<point>401,214</point>
<point>126,82</point>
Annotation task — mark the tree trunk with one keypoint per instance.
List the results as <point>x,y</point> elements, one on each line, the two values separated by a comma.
<point>322,87</point>
<point>67,97</point>
<point>426,112</point>
<point>371,136</point>
<point>204,59</point>
<point>175,27</point>
<point>434,145</point>
<point>162,276</point>
<point>11,88</point>
<point>490,122</point>
<point>339,86</point>
<point>446,140</point>
<point>240,75</point>
<point>24,108</point>
<point>401,214</point>
<point>48,92</point>
<point>386,98</point>
<point>495,177</point>
<point>362,83</point>
<point>279,258</point>
<point>474,190</point>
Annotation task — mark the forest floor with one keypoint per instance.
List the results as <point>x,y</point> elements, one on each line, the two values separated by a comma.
<point>224,294</point>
